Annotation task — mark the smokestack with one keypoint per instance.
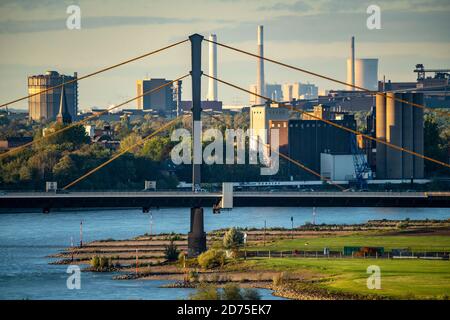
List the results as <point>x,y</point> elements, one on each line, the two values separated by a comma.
<point>352,57</point>
<point>260,70</point>
<point>212,84</point>
<point>178,88</point>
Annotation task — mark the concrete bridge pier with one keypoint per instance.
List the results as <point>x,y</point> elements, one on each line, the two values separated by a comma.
<point>197,235</point>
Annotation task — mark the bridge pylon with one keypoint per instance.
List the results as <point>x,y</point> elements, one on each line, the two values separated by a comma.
<point>197,235</point>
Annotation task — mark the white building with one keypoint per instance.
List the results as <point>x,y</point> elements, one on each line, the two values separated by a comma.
<point>337,167</point>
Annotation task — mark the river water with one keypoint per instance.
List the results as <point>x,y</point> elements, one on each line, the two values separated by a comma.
<point>26,239</point>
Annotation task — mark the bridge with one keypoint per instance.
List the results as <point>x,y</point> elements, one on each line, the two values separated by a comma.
<point>148,200</point>
<point>197,200</point>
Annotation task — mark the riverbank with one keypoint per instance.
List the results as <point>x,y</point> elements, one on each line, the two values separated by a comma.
<point>143,258</point>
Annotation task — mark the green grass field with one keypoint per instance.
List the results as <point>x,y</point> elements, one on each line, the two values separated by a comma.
<point>337,243</point>
<point>412,279</point>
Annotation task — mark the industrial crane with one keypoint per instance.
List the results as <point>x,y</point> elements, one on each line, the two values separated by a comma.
<point>439,73</point>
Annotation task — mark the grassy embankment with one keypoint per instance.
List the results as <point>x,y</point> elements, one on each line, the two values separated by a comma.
<point>403,279</point>
<point>416,243</point>
<point>410,278</point>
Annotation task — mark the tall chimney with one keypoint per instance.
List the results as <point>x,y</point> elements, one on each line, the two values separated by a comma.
<point>260,70</point>
<point>212,84</point>
<point>352,57</point>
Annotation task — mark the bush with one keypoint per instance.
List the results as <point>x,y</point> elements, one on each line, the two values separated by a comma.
<point>101,263</point>
<point>95,262</point>
<point>251,294</point>
<point>233,239</point>
<point>212,258</point>
<point>231,292</point>
<point>182,259</point>
<point>193,276</point>
<point>205,292</point>
<point>171,252</point>
<point>280,278</point>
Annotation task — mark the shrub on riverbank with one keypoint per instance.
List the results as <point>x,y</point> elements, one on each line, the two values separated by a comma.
<point>102,264</point>
<point>171,252</point>
<point>212,258</point>
<point>228,292</point>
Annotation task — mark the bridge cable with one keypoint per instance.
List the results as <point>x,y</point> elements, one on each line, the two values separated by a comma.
<point>96,72</point>
<point>298,163</point>
<point>335,124</point>
<point>147,138</point>
<point>445,113</point>
<point>95,115</point>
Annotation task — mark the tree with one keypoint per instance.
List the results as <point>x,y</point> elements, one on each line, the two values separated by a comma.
<point>157,148</point>
<point>73,137</point>
<point>435,146</point>
<point>129,141</point>
<point>233,239</point>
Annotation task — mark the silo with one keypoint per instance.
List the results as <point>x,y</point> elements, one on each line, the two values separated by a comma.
<point>394,135</point>
<point>418,135</point>
<point>407,136</point>
<point>380,117</point>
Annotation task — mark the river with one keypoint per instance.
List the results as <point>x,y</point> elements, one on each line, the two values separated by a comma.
<point>26,239</point>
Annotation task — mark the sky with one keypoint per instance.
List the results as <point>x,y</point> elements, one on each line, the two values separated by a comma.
<point>311,34</point>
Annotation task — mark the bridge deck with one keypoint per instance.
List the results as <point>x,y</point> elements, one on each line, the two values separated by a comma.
<point>41,200</point>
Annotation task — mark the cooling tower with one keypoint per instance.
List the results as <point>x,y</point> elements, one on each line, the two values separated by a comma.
<point>366,73</point>
<point>212,84</point>
<point>260,68</point>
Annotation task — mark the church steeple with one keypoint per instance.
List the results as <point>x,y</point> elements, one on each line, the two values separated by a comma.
<point>63,116</point>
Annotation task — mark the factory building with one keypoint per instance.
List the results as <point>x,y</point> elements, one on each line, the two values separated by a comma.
<point>309,138</point>
<point>299,91</point>
<point>272,91</point>
<point>161,101</point>
<point>45,106</point>
<point>337,167</point>
<point>206,105</point>
<point>262,119</point>
<point>400,124</point>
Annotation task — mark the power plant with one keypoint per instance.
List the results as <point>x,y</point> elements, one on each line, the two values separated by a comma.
<point>401,124</point>
<point>361,72</point>
<point>212,84</point>
<point>260,69</point>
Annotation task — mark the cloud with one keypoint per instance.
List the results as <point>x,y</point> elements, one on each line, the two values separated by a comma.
<point>349,6</point>
<point>299,6</point>
<point>19,26</point>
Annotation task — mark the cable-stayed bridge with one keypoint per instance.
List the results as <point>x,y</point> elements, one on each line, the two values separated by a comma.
<point>197,200</point>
